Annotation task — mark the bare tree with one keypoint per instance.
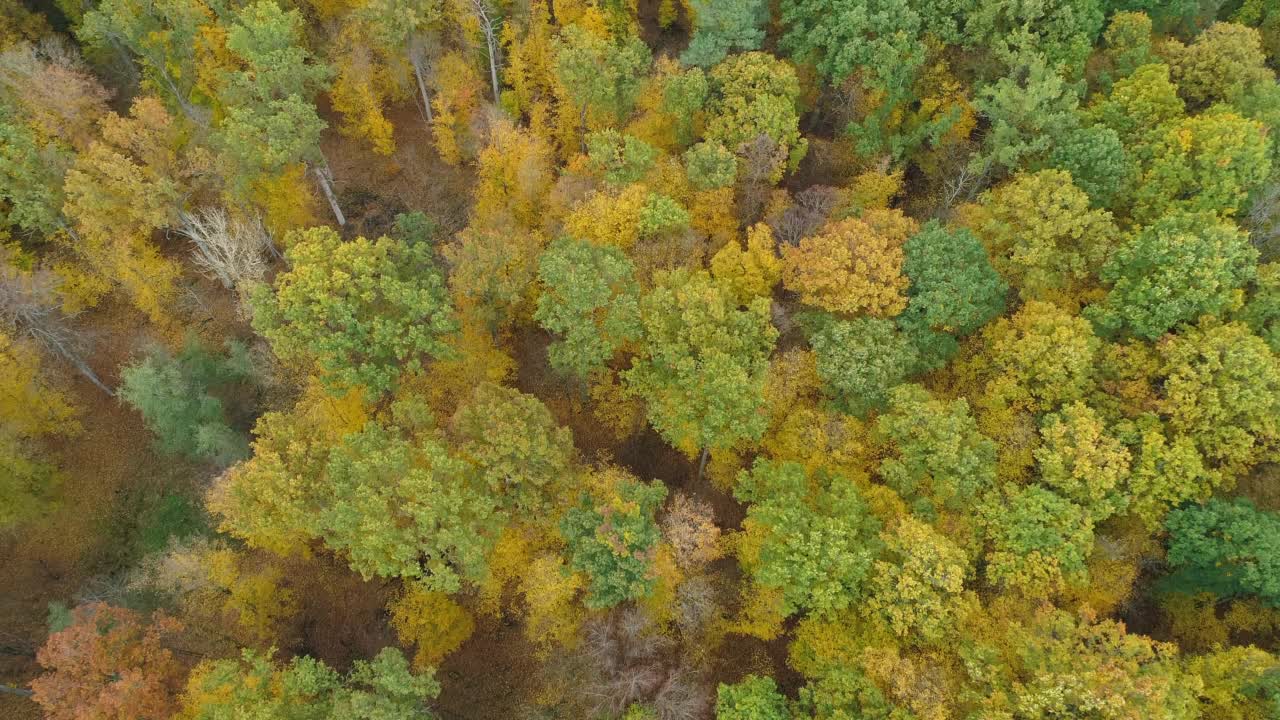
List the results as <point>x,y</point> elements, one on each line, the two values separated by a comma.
<point>1263,220</point>
<point>809,211</point>
<point>28,306</point>
<point>490,26</point>
<point>633,662</point>
<point>232,250</point>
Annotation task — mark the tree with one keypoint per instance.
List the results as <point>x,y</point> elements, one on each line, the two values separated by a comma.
<point>710,165</point>
<point>1063,31</point>
<point>1038,540</point>
<point>1138,106</point>
<point>1080,460</point>
<point>1044,354</point>
<point>362,311</point>
<point>1027,110</point>
<point>52,90</point>
<point>852,266</point>
<point>751,698</point>
<point>813,538</point>
<point>860,360</point>
<point>175,396</point>
<point>1224,61</point>
<point>591,299</point>
<point>163,37</point>
<point>1229,548</point>
<point>919,591</point>
<point>1054,663</point>
<point>754,94</point>
<point>1127,42</point>
<point>1220,387</point>
<point>1208,162</point>
<point>749,273</point>
<point>30,408</point>
<point>109,662</point>
<point>623,158</point>
<point>31,178</point>
<point>1261,312</point>
<point>272,500</point>
<point>877,41</point>
<point>122,189</point>
<point>1043,236</point>
<point>721,26</point>
<point>612,537</point>
<point>1096,160</point>
<point>433,622</point>
<point>938,460</point>
<point>953,288</point>
<point>403,507</point>
<point>701,371</point>
<point>601,77</point>
<point>1175,270</point>
<point>306,689</point>
<point>270,119</point>
<point>513,440</point>
<point>232,249</point>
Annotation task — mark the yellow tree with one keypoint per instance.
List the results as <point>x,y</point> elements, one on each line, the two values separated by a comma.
<point>120,191</point>
<point>852,266</point>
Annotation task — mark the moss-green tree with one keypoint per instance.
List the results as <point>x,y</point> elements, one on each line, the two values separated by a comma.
<point>362,311</point>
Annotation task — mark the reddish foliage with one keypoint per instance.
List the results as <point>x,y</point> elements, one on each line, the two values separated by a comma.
<point>109,663</point>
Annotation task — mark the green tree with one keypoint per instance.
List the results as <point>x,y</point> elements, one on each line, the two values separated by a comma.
<point>1040,358</point>
<point>1209,162</point>
<point>1082,461</point>
<point>938,460</point>
<point>1038,541</point>
<point>710,165</point>
<point>31,177</point>
<point>860,360</point>
<point>623,158</point>
<point>1261,312</point>
<point>954,290</point>
<point>1027,110</point>
<point>613,538</point>
<point>721,26</point>
<point>1175,270</point>
<point>702,367</point>
<point>1096,159</point>
<point>270,118</point>
<point>1063,31</point>
<point>306,689</point>
<point>161,35</point>
<point>591,299</point>
<point>511,437</point>
<point>1043,236</point>
<point>1229,548</point>
<point>400,506</point>
<point>879,40</point>
<point>814,539</point>
<point>754,94</point>
<point>918,591</point>
<point>751,698</point>
<point>363,311</point>
<point>178,398</point>
<point>844,692</point>
<point>602,77</point>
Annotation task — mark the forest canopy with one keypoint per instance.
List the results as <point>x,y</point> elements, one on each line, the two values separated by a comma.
<point>622,360</point>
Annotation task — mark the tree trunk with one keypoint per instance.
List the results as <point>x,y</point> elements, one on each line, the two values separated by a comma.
<point>702,462</point>
<point>491,41</point>
<point>15,691</point>
<point>422,86</point>
<point>325,179</point>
